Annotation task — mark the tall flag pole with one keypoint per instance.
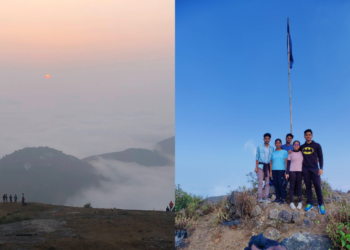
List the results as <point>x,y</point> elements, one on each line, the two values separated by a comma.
<point>290,64</point>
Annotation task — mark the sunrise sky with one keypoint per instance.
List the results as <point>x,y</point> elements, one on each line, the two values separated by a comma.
<point>111,67</point>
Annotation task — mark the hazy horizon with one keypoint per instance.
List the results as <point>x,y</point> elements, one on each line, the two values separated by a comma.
<point>111,86</point>
<point>112,75</point>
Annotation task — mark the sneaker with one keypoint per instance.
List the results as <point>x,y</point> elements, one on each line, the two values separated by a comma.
<point>266,200</point>
<point>260,200</point>
<point>309,207</point>
<point>277,200</point>
<point>292,206</point>
<point>299,205</point>
<point>282,202</point>
<point>321,209</point>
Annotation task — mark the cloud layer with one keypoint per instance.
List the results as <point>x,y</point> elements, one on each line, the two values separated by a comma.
<point>131,187</point>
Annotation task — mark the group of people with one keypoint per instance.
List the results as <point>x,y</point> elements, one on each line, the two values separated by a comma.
<point>171,207</point>
<point>5,198</point>
<point>290,162</point>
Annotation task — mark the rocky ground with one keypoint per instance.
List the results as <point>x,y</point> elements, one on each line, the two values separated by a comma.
<point>295,229</point>
<point>53,227</point>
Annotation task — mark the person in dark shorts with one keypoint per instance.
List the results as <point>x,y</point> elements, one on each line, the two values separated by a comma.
<point>10,198</point>
<point>15,197</point>
<point>278,171</point>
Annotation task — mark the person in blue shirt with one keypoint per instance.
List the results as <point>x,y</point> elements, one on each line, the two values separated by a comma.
<point>288,146</point>
<point>262,167</point>
<point>278,171</point>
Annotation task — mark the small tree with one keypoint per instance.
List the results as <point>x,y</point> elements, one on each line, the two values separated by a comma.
<point>88,205</point>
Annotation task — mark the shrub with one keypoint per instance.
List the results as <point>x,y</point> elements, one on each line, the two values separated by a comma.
<point>253,180</point>
<point>245,201</point>
<point>326,188</point>
<point>88,205</point>
<point>338,228</point>
<point>188,201</point>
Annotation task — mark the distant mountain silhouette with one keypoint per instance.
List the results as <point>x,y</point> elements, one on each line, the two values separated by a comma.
<point>142,156</point>
<point>45,175</point>
<point>167,146</point>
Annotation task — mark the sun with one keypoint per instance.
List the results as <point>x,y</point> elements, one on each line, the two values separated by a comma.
<point>47,76</point>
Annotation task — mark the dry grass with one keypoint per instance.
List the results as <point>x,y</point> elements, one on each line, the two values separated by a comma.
<point>97,228</point>
<point>246,201</point>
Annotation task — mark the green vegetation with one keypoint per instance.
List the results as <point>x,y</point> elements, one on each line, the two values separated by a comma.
<point>326,188</point>
<point>13,218</point>
<point>187,201</point>
<point>253,180</point>
<point>338,228</point>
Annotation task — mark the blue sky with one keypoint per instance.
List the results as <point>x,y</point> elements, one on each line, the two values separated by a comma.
<point>231,74</point>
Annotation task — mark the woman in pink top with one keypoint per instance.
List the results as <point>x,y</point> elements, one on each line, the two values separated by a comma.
<point>294,172</point>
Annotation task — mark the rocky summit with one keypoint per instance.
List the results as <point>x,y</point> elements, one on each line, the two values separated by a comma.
<point>293,229</point>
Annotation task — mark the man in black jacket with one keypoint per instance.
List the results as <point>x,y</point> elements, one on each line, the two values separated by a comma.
<point>312,153</point>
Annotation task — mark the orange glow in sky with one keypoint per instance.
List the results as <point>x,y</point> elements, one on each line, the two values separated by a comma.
<point>60,32</point>
<point>47,76</point>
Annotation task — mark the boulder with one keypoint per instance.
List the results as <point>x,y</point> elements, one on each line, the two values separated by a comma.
<point>233,198</point>
<point>303,241</point>
<point>273,197</point>
<point>295,216</point>
<point>258,223</point>
<point>273,213</point>
<point>285,216</point>
<point>307,223</point>
<point>310,215</point>
<point>263,205</point>
<point>232,210</point>
<point>256,211</point>
<point>272,234</point>
<point>328,200</point>
<point>238,214</point>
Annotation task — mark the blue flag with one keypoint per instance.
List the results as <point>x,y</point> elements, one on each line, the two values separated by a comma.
<point>290,48</point>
